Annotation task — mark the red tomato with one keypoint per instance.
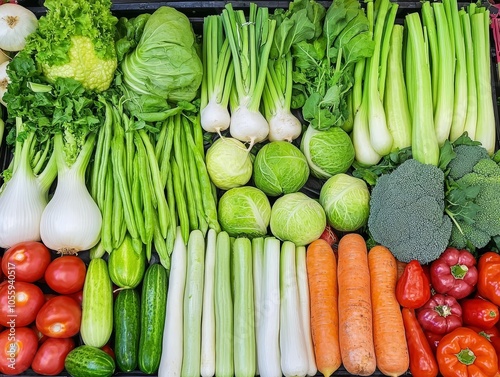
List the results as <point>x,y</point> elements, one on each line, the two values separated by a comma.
<point>17,349</point>
<point>66,274</point>
<point>59,317</point>
<point>78,297</point>
<point>19,303</point>
<point>26,261</point>
<point>49,359</point>
<point>1,273</point>
<point>107,348</point>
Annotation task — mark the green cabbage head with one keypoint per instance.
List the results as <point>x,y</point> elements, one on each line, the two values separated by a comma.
<point>280,168</point>
<point>297,218</point>
<point>346,201</point>
<point>165,62</point>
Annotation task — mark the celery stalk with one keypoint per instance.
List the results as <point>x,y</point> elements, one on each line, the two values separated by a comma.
<point>485,129</point>
<point>396,100</point>
<point>471,116</point>
<point>443,114</point>
<point>380,137</point>
<point>430,26</point>
<point>391,17</point>
<point>425,146</point>
<point>460,104</point>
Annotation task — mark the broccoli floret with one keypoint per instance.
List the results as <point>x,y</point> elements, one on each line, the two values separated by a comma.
<point>485,224</point>
<point>466,157</point>
<point>407,212</point>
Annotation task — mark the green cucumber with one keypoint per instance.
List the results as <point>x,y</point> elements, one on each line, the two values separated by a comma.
<point>88,361</point>
<point>153,308</point>
<point>97,305</point>
<point>126,266</point>
<point>127,326</point>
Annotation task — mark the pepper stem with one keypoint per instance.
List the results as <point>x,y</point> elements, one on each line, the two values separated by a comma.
<point>466,356</point>
<point>459,271</point>
<point>443,310</point>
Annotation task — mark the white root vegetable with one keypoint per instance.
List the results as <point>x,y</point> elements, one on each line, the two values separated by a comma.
<point>16,23</point>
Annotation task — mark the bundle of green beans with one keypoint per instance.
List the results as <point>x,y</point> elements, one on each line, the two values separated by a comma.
<point>147,183</point>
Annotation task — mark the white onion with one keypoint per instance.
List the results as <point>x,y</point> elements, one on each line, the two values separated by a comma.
<point>71,222</point>
<point>4,57</point>
<point>16,23</point>
<point>4,81</point>
<point>21,206</point>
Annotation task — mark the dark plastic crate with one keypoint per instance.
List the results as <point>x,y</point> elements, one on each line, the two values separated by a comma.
<point>196,11</point>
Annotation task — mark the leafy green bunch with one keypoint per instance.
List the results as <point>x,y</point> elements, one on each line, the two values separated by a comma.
<point>324,65</point>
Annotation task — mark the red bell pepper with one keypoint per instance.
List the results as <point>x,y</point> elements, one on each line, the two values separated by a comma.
<point>413,287</point>
<point>465,353</point>
<point>479,312</point>
<point>488,283</point>
<point>422,360</point>
<point>493,335</point>
<point>433,340</point>
<point>454,273</point>
<point>440,315</point>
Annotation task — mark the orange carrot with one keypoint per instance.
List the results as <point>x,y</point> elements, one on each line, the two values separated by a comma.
<point>389,337</point>
<point>322,278</point>
<point>400,267</point>
<point>355,309</point>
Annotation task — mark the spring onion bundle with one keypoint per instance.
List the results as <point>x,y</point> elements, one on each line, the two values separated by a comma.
<point>250,41</point>
<point>217,78</point>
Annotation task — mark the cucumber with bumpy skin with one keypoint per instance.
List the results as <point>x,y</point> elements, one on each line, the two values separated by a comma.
<point>97,305</point>
<point>153,307</point>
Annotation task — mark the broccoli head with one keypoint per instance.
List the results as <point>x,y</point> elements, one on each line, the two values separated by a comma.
<point>466,156</point>
<point>407,212</point>
<point>484,223</point>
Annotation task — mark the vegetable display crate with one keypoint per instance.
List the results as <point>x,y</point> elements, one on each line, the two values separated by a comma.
<point>196,11</point>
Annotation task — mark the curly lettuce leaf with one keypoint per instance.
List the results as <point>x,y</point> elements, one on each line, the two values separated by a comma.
<point>76,39</point>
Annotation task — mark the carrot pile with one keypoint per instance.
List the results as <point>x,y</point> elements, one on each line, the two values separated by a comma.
<point>356,320</point>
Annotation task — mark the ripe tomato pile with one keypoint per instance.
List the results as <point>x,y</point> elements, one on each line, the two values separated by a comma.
<point>40,308</point>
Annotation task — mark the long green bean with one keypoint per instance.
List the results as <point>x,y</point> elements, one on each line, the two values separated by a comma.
<point>129,148</point>
<point>117,152</point>
<point>94,178</point>
<point>195,183</point>
<point>105,157</point>
<point>172,230</point>
<point>160,141</point>
<point>107,212</point>
<point>190,199</point>
<point>178,147</point>
<point>180,201</point>
<point>159,191</point>
<point>205,186</point>
<point>164,160</point>
<point>149,220</point>
<point>137,203</point>
<point>118,216</point>
<point>161,247</point>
